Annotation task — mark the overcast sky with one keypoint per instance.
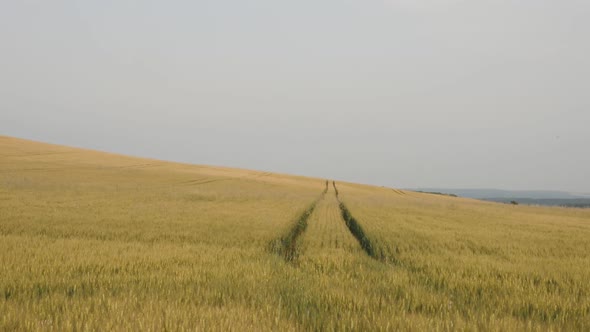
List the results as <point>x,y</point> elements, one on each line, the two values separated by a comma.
<point>404,93</point>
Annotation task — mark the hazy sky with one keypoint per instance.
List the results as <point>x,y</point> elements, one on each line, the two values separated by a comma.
<point>405,93</point>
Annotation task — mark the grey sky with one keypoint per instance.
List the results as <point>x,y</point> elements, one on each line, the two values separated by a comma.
<point>406,93</point>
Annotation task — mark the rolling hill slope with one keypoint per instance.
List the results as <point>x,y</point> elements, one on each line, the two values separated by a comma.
<point>97,241</point>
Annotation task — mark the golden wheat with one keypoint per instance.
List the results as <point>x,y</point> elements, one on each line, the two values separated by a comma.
<point>96,241</point>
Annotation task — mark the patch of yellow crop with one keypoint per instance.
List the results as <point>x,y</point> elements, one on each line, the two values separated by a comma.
<point>327,231</point>
<point>97,241</point>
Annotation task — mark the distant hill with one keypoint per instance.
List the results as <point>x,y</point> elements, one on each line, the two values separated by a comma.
<point>498,193</point>
<point>570,202</point>
<point>529,197</point>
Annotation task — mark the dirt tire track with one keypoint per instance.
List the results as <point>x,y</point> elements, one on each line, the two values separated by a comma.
<point>357,231</point>
<point>287,246</point>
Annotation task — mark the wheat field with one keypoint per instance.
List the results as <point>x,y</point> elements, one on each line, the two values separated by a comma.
<point>96,241</point>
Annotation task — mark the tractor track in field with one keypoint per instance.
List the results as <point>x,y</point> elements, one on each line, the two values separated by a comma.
<point>81,168</point>
<point>399,192</point>
<point>35,154</point>
<point>205,180</point>
<point>287,246</point>
<point>356,229</point>
<point>200,181</point>
<point>182,184</point>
